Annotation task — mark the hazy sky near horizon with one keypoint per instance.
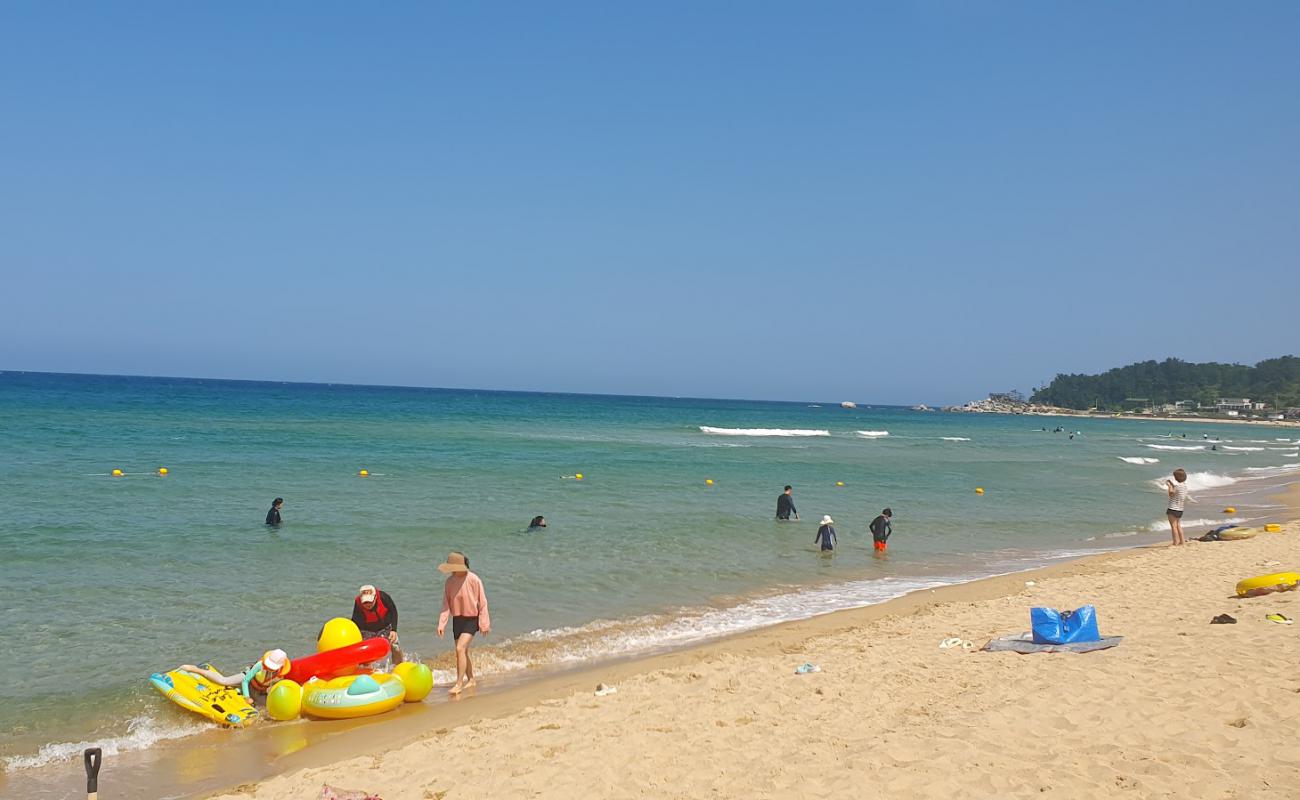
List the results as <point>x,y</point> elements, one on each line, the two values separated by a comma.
<point>885,202</point>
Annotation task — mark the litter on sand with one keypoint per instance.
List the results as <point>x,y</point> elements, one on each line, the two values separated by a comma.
<point>956,641</point>
<point>603,689</point>
<point>1224,619</point>
<point>1280,619</point>
<point>1024,643</point>
<point>328,792</point>
<point>807,667</point>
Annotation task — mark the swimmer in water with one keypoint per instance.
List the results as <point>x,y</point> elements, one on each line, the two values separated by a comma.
<point>538,522</point>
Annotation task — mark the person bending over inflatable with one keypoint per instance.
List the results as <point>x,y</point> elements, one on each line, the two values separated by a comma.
<point>260,677</point>
<point>375,614</point>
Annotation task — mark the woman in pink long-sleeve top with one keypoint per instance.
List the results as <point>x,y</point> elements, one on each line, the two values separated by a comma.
<point>465,602</point>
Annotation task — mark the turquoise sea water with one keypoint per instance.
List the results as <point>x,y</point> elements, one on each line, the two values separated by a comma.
<point>108,579</point>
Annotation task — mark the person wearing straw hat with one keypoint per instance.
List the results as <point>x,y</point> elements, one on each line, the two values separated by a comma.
<point>826,534</point>
<point>465,603</point>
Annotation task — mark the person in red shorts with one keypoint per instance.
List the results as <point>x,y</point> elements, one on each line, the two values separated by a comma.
<point>881,530</point>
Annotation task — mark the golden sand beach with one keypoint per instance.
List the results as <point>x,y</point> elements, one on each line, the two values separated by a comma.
<point>1182,708</point>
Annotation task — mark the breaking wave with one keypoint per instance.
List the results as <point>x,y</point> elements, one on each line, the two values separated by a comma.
<point>1175,447</point>
<point>873,434</point>
<point>1138,459</point>
<point>1197,481</point>
<point>761,432</point>
<point>142,732</point>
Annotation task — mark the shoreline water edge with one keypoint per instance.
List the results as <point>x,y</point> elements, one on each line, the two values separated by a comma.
<point>293,760</point>
<point>211,763</point>
<point>187,759</point>
<point>901,634</point>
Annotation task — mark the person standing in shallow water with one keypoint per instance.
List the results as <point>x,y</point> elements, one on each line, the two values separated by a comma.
<point>826,534</point>
<point>1177,501</point>
<point>881,530</point>
<point>273,516</point>
<point>464,601</point>
<point>785,504</point>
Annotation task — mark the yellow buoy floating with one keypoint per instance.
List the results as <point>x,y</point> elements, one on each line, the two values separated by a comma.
<point>839,483</point>
<point>578,476</point>
<point>162,471</point>
<point>365,473</point>
<point>708,481</point>
<point>1230,510</point>
<point>117,473</point>
<point>979,490</point>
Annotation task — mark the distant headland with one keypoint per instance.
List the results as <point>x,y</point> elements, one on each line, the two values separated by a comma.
<point>1171,389</point>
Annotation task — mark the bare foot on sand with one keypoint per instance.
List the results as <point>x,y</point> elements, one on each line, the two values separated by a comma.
<point>455,689</point>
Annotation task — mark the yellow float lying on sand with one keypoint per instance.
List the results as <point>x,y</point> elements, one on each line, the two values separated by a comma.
<point>352,696</point>
<point>1264,584</point>
<point>1234,534</point>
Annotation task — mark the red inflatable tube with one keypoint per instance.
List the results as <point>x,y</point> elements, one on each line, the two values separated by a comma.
<point>333,663</point>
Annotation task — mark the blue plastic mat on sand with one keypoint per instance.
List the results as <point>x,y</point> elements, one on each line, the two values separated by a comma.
<point>1024,643</point>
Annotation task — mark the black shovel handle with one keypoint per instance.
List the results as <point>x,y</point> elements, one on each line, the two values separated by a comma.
<point>94,757</point>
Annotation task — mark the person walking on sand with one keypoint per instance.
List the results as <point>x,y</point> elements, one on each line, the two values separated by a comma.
<point>785,504</point>
<point>826,534</point>
<point>273,516</point>
<point>464,601</point>
<point>881,530</point>
<point>1177,501</point>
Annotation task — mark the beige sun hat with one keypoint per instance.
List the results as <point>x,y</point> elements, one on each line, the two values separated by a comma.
<point>455,563</point>
<point>826,520</point>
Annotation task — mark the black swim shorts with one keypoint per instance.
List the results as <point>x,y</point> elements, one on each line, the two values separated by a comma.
<point>461,625</point>
<point>1174,514</point>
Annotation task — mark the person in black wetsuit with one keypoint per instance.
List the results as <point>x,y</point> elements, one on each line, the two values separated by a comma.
<point>538,522</point>
<point>375,614</point>
<point>881,530</point>
<point>273,516</point>
<point>785,504</point>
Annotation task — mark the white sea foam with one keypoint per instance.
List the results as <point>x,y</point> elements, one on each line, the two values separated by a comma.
<point>761,432</point>
<point>873,434</point>
<point>142,733</point>
<point>1138,459</point>
<point>1199,480</point>
<point>1271,472</point>
<point>955,438</point>
<point>1245,449</point>
<point>605,638</point>
<point>1162,525</point>
<point>1175,447</point>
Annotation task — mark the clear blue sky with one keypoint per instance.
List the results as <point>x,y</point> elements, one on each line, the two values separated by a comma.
<point>887,202</point>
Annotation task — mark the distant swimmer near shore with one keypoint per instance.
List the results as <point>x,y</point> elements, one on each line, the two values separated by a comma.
<point>273,516</point>
<point>538,522</point>
<point>785,504</point>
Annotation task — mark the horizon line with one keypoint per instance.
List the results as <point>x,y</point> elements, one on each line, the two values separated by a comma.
<point>348,384</point>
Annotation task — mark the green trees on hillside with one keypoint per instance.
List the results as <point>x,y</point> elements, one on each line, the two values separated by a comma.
<point>1275,381</point>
